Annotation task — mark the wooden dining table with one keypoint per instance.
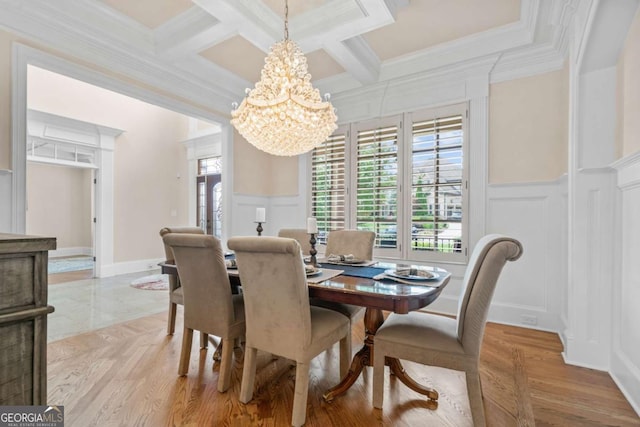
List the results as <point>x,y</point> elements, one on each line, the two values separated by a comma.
<point>376,296</point>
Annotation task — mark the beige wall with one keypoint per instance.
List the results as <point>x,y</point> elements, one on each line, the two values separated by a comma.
<point>261,174</point>
<point>59,204</point>
<point>147,159</point>
<point>528,139</point>
<point>628,134</point>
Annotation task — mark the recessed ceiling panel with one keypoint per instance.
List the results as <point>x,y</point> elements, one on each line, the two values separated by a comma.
<point>150,13</point>
<point>426,23</point>
<point>321,65</point>
<point>238,56</point>
<point>296,7</point>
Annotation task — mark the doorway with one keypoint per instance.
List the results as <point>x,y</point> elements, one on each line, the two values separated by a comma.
<point>209,196</point>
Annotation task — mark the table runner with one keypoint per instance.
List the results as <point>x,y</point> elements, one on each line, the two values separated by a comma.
<point>355,271</point>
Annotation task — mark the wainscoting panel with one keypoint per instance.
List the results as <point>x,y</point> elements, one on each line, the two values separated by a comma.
<point>529,292</point>
<point>625,357</point>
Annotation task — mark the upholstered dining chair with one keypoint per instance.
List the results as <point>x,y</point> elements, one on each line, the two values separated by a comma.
<point>300,235</point>
<point>175,291</point>
<point>279,318</point>
<point>209,306</point>
<point>358,243</point>
<point>442,341</point>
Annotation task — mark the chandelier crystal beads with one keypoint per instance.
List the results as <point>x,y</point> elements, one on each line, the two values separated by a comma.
<point>283,114</point>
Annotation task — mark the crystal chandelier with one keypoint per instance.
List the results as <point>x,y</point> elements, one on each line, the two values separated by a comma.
<point>283,114</point>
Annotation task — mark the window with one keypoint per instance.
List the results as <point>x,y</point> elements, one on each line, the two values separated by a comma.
<point>437,180</point>
<point>423,152</point>
<point>377,185</point>
<point>328,184</point>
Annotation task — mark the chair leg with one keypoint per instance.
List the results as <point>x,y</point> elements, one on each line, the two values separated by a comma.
<point>171,321</point>
<point>185,353</point>
<point>248,374</point>
<point>300,394</point>
<point>378,378</point>
<point>204,340</point>
<point>224,380</point>
<point>474,391</point>
<point>345,355</point>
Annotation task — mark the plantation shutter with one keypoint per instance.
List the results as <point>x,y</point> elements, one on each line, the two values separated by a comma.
<point>328,184</point>
<point>437,185</point>
<point>376,183</point>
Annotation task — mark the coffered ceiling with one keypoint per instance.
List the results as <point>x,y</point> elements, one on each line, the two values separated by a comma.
<point>209,51</point>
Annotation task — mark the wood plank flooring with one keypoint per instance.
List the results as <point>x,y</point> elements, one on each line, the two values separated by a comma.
<point>126,375</point>
<point>70,276</point>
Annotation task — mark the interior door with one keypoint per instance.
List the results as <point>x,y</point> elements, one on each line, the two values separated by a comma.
<point>208,199</point>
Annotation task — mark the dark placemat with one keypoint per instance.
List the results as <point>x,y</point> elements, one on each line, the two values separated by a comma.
<point>355,271</point>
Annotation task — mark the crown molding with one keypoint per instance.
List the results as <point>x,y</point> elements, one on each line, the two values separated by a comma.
<point>57,30</point>
<point>190,32</point>
<point>167,58</point>
<point>526,63</point>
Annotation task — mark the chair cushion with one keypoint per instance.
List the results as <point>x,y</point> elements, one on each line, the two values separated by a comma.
<point>420,331</point>
<point>327,327</point>
<point>353,312</point>
<point>177,297</point>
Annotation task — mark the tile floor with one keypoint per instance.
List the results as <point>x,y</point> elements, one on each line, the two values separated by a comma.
<point>90,304</point>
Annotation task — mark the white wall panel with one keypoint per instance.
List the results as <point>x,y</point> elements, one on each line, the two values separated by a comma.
<point>625,352</point>
<point>529,292</point>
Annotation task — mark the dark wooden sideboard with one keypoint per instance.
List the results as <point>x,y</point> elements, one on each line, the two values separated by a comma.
<point>23,318</point>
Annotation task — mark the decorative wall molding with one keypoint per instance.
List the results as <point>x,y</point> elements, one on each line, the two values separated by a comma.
<point>625,355</point>
<point>628,170</point>
<point>529,291</point>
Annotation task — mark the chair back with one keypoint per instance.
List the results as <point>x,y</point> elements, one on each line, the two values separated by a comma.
<point>359,243</point>
<point>300,235</point>
<point>166,230</point>
<point>486,262</point>
<point>276,297</point>
<point>205,282</point>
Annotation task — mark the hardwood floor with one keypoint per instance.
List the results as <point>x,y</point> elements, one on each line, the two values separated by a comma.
<point>126,375</point>
<point>70,276</point>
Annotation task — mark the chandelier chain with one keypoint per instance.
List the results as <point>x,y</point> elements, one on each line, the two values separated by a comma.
<point>286,20</point>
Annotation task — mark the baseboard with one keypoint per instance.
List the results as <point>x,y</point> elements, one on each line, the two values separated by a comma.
<point>119,268</point>
<point>74,251</point>
<point>626,375</point>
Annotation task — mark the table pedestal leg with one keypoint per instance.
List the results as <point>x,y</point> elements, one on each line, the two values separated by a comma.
<point>373,319</point>
<point>217,355</point>
<point>396,369</point>
<point>364,357</point>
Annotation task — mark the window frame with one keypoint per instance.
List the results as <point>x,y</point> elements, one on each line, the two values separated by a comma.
<point>404,121</point>
<point>427,114</point>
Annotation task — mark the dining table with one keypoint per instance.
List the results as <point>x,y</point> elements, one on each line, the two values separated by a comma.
<point>372,287</point>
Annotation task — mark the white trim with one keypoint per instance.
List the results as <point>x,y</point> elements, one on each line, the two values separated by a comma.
<point>50,161</point>
<point>24,56</point>
<point>116,269</point>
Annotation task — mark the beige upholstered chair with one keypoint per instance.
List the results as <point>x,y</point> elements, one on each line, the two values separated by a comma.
<point>442,341</point>
<point>299,234</point>
<point>279,318</point>
<point>175,291</point>
<point>209,306</point>
<point>358,243</point>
